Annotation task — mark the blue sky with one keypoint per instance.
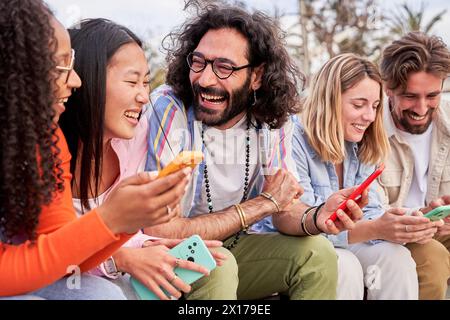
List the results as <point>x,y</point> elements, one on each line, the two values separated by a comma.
<point>153,19</point>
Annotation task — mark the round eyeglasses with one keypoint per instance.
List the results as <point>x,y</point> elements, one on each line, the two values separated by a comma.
<point>221,67</point>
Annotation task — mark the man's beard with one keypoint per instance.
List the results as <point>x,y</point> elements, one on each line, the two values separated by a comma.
<point>410,128</point>
<point>239,102</point>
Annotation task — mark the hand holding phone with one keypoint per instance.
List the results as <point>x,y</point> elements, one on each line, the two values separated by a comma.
<point>438,213</point>
<point>357,193</point>
<point>192,249</point>
<point>182,160</point>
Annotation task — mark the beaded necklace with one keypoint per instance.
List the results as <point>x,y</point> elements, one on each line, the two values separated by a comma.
<point>246,179</point>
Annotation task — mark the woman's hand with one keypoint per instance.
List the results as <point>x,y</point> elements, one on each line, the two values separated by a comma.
<point>154,267</point>
<point>397,227</point>
<point>211,244</point>
<point>142,200</point>
<point>344,221</point>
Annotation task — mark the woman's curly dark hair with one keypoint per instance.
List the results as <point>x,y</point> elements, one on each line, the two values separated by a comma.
<point>278,96</point>
<point>29,165</point>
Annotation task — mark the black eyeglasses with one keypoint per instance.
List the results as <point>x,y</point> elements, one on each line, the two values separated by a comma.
<point>221,67</point>
<point>69,68</point>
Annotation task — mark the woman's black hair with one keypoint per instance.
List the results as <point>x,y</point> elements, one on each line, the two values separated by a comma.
<point>95,41</point>
<point>30,171</point>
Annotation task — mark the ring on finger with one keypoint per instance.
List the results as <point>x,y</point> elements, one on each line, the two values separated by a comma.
<point>177,262</point>
<point>173,279</point>
<point>169,210</point>
<point>406,228</point>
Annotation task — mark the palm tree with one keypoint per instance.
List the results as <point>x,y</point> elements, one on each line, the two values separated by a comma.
<point>408,19</point>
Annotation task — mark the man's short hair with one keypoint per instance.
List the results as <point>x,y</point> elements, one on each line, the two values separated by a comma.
<point>414,52</point>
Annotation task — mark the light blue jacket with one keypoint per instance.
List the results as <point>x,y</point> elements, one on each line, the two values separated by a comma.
<point>319,179</point>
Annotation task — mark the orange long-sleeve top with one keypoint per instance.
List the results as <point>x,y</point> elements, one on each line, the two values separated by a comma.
<point>63,241</point>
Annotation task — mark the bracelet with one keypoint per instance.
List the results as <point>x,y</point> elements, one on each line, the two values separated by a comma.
<point>271,198</point>
<point>303,224</point>
<point>242,216</point>
<point>316,213</point>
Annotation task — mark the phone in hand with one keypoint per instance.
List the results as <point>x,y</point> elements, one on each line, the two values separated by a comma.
<point>192,249</point>
<point>182,160</point>
<point>357,193</point>
<point>438,213</point>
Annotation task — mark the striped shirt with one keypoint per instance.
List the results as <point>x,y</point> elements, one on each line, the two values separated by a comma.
<point>173,128</point>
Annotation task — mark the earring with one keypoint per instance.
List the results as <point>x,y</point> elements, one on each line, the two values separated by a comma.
<point>255,99</point>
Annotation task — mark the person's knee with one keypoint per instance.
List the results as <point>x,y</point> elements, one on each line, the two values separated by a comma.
<point>321,254</point>
<point>349,268</point>
<point>228,271</point>
<point>84,287</point>
<point>397,256</point>
<point>393,261</point>
<point>96,288</point>
<point>350,276</point>
<point>430,254</point>
<point>322,250</point>
<point>222,282</point>
<point>433,268</point>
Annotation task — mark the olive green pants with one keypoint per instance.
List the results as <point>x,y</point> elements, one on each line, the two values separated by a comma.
<point>263,264</point>
<point>433,267</point>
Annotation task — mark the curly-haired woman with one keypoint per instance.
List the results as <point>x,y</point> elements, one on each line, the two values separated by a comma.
<point>41,238</point>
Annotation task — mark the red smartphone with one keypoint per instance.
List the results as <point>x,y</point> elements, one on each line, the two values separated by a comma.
<point>357,193</point>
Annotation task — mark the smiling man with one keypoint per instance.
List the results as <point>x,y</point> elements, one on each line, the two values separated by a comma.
<point>231,90</point>
<point>417,173</point>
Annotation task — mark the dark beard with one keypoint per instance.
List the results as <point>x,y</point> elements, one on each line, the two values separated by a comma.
<point>413,129</point>
<point>239,102</point>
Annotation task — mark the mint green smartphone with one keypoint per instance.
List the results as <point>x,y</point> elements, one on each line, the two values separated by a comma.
<point>192,249</point>
<point>438,213</point>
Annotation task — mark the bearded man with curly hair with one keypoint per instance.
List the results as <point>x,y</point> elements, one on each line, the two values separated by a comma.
<point>231,90</point>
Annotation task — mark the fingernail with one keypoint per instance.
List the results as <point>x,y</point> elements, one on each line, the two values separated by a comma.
<point>187,170</point>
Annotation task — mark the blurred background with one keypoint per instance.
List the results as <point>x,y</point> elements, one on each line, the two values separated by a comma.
<point>315,30</point>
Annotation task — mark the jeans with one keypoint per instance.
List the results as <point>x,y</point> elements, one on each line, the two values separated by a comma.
<point>90,288</point>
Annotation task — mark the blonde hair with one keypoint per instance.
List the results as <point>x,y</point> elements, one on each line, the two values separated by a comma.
<point>322,113</point>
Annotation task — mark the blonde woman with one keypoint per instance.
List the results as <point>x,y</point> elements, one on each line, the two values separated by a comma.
<point>339,141</point>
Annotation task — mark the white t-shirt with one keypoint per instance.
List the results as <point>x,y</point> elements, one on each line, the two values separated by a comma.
<point>93,203</point>
<point>225,157</point>
<point>420,145</point>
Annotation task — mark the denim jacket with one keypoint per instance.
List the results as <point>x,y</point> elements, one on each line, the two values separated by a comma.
<point>319,179</point>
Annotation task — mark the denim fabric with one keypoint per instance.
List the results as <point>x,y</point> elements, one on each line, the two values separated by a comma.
<point>90,288</point>
<point>319,179</point>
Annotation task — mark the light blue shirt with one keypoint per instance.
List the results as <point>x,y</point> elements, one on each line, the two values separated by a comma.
<point>319,179</point>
